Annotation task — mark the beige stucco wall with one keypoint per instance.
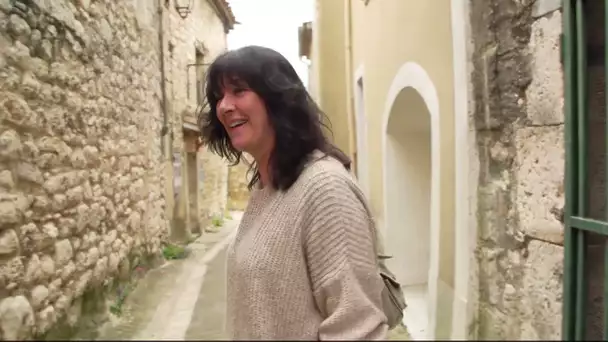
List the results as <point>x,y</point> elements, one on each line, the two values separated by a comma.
<point>401,24</point>
<point>329,73</point>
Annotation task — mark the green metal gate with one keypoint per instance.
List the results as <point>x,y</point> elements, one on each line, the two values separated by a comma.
<point>580,227</point>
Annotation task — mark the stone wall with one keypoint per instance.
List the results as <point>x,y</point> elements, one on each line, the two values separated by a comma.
<point>518,115</point>
<point>213,189</point>
<point>238,193</point>
<point>202,31</point>
<point>81,185</point>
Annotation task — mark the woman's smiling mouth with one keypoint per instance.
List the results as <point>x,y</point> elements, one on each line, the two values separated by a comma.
<point>237,123</point>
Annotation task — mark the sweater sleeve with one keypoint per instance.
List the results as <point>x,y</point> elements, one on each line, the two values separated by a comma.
<point>338,244</point>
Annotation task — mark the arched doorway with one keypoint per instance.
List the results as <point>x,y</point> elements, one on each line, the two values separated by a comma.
<point>411,193</point>
<point>409,201</point>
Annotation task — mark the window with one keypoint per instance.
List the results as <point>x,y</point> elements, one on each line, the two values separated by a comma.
<point>200,77</point>
<point>585,313</point>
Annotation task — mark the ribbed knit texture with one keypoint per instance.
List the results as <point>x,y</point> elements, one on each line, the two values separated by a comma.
<point>302,264</point>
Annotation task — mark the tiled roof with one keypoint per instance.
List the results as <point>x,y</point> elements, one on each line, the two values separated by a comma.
<point>226,13</point>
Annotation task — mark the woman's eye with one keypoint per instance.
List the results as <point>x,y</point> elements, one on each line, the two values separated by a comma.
<point>239,90</point>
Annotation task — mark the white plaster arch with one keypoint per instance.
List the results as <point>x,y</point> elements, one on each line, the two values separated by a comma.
<point>414,76</point>
<point>361,137</point>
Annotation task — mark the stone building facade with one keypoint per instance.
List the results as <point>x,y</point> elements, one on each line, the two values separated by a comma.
<point>517,123</point>
<point>200,177</point>
<point>89,99</point>
<point>238,180</point>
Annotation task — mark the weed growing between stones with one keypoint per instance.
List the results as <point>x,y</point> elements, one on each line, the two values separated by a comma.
<point>122,293</point>
<point>217,221</point>
<point>123,289</point>
<point>173,252</point>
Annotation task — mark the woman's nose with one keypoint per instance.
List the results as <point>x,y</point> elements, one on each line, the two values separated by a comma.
<point>225,105</point>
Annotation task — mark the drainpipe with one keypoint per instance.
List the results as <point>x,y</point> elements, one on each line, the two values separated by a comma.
<point>349,77</point>
<point>163,83</point>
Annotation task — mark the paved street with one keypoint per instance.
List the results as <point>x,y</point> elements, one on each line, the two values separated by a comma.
<point>184,299</point>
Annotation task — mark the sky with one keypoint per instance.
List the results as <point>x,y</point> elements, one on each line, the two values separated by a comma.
<point>273,24</point>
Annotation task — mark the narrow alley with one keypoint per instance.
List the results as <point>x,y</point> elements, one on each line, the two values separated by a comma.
<point>477,132</point>
<point>183,299</point>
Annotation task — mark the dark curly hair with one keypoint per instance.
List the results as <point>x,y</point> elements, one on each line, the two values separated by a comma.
<point>295,117</point>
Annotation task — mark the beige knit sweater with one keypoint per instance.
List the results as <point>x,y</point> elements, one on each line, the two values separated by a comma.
<point>302,265</point>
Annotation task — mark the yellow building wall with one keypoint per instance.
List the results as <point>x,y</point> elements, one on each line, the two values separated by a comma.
<point>384,35</point>
<point>329,73</point>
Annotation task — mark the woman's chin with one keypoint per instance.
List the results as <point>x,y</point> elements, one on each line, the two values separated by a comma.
<point>240,146</point>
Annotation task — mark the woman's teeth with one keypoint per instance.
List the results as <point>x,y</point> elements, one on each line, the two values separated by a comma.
<point>237,123</point>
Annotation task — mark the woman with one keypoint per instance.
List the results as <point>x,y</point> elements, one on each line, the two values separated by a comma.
<point>303,262</point>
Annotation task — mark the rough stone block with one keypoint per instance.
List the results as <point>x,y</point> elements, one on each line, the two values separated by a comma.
<point>10,144</point>
<point>545,95</point>
<point>45,319</point>
<point>6,180</point>
<point>39,295</point>
<point>12,208</point>
<point>29,172</point>
<point>63,252</point>
<point>540,176</point>
<point>542,289</point>
<point>16,318</point>
<point>9,243</point>
<point>6,5</point>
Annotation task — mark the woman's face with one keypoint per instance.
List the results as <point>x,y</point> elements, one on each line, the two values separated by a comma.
<point>244,116</point>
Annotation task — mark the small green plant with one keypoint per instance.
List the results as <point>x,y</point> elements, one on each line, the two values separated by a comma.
<point>217,221</point>
<point>172,252</point>
<point>123,292</point>
<point>228,216</point>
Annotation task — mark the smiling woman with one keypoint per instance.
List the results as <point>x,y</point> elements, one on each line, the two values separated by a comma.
<point>255,96</point>
<point>304,263</point>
